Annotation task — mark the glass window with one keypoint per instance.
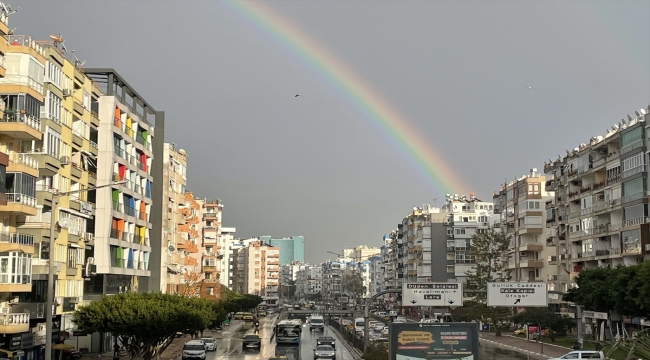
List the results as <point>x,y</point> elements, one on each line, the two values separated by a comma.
<point>20,183</point>
<point>15,268</point>
<point>634,187</point>
<point>635,212</point>
<point>632,136</point>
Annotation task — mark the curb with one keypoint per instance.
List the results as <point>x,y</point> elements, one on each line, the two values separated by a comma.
<point>355,353</point>
<point>515,349</point>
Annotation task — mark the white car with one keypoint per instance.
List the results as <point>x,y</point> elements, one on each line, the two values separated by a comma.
<point>194,350</point>
<point>210,344</point>
<point>378,327</point>
<point>400,319</point>
<point>582,354</point>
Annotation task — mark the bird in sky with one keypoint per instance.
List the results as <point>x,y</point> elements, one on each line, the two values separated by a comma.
<point>531,87</point>
<point>297,95</point>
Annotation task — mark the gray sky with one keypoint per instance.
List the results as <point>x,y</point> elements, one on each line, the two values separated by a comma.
<point>316,166</point>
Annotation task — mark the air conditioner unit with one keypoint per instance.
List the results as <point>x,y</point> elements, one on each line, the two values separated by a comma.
<point>67,92</point>
<point>74,300</point>
<point>5,310</point>
<point>89,237</point>
<point>449,249</point>
<point>522,253</point>
<point>58,300</point>
<point>90,260</point>
<point>647,247</point>
<point>65,160</point>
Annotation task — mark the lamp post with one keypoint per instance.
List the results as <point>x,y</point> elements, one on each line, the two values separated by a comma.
<point>50,275</point>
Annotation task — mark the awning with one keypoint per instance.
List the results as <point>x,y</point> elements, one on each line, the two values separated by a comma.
<point>75,212</point>
<point>173,269</point>
<point>9,354</point>
<point>74,246</point>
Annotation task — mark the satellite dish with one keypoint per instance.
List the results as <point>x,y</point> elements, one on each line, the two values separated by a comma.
<point>56,39</point>
<point>171,248</point>
<point>63,223</point>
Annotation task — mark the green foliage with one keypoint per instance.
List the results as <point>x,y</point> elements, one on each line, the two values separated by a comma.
<point>544,317</point>
<point>376,352</point>
<point>234,302</point>
<point>353,284</point>
<point>490,251</point>
<point>631,348</point>
<point>624,289</point>
<point>145,323</point>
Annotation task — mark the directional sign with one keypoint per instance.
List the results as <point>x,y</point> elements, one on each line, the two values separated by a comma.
<point>432,294</point>
<point>511,294</point>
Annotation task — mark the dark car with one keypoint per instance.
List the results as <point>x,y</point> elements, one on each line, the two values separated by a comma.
<point>326,340</point>
<point>252,341</point>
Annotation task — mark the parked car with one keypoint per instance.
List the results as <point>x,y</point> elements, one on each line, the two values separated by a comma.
<point>252,341</point>
<point>324,352</point>
<point>582,354</point>
<point>210,344</point>
<point>194,350</point>
<point>326,340</point>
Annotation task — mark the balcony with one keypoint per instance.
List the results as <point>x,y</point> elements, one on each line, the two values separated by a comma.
<point>75,170</point>
<point>17,242</point>
<point>77,138</point>
<point>78,106</point>
<point>143,166</point>
<point>17,84</point>
<point>48,164</point>
<point>635,221</point>
<point>211,216</point>
<point>23,163</point>
<point>531,247</point>
<point>635,145</point>
<point>187,246</point>
<point>633,171</point>
<point>14,323</point>
<point>94,118</point>
<point>18,204</point>
<point>635,196</point>
<point>20,126</point>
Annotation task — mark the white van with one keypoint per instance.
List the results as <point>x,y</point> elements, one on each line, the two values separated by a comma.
<point>359,324</point>
<point>316,322</point>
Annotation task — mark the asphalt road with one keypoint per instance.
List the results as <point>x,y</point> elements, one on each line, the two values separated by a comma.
<point>230,345</point>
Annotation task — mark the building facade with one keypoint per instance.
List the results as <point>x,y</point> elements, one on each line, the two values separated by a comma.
<point>291,249</point>
<point>256,269</point>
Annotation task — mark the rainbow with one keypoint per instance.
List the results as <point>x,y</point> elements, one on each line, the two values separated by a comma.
<point>362,96</point>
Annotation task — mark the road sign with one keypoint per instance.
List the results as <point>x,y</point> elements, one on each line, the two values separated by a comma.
<point>432,294</point>
<point>510,294</point>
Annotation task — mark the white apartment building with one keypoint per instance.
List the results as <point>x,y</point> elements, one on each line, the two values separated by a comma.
<point>377,272</point>
<point>309,282</point>
<point>226,241</point>
<point>521,205</point>
<point>256,269</point>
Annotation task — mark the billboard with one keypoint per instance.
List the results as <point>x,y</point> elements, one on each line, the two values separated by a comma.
<point>416,341</point>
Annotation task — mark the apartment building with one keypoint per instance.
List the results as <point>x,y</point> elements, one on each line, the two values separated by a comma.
<point>211,212</point>
<point>362,252</point>
<point>175,180</point>
<point>521,205</point>
<point>256,269</point>
<point>309,283</point>
<point>291,249</point>
<point>289,272</point>
<point>599,216</point>
<point>377,270</point>
<point>417,228</point>
<point>21,86</point>
<point>189,243</point>
<point>130,158</point>
<point>226,240</point>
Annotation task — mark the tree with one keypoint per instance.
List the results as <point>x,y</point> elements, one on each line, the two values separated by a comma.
<point>145,323</point>
<point>490,252</point>
<point>546,319</point>
<point>191,281</point>
<point>353,284</point>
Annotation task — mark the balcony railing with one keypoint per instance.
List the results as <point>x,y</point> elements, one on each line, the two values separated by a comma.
<point>10,116</point>
<point>14,319</point>
<point>117,206</point>
<point>635,221</point>
<point>22,80</point>
<point>129,210</point>
<point>17,198</point>
<point>17,238</point>
<point>116,234</point>
<point>119,151</point>
<point>635,145</point>
<point>93,144</point>
<point>635,196</point>
<point>23,159</point>
<point>633,171</point>
<point>129,264</point>
<point>142,166</point>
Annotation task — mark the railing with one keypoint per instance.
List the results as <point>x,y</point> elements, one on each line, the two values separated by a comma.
<point>141,140</point>
<point>47,188</point>
<point>14,319</point>
<point>17,198</point>
<point>116,234</point>
<point>635,221</point>
<point>22,80</point>
<point>142,215</point>
<point>23,159</point>
<point>129,264</point>
<point>636,196</point>
<point>10,116</point>
<point>128,131</point>
<point>633,171</point>
<point>117,122</point>
<point>635,145</point>
<point>117,206</point>
<point>614,179</point>
<point>119,151</point>
<point>17,238</point>
<point>94,114</point>
<point>142,166</point>
<point>93,144</point>
<point>129,210</point>
<point>585,211</point>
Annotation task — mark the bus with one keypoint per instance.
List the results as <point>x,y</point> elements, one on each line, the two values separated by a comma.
<point>288,332</point>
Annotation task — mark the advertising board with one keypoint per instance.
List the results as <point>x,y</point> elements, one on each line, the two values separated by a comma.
<point>451,341</point>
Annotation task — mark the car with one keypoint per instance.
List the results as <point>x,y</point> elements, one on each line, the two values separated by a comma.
<point>400,318</point>
<point>261,313</point>
<point>324,352</point>
<point>392,313</point>
<point>520,332</point>
<point>378,327</point>
<point>252,341</point>
<point>326,340</point>
<point>582,354</point>
<point>381,314</point>
<point>193,350</point>
<point>210,344</point>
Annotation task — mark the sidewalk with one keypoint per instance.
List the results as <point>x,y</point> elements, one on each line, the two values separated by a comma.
<point>531,348</point>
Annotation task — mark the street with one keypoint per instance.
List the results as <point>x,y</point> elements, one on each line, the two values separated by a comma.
<point>230,345</point>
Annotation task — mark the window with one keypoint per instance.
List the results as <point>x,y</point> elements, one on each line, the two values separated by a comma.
<point>66,118</point>
<point>15,268</point>
<point>54,74</point>
<point>76,224</point>
<point>60,253</point>
<point>52,142</point>
<point>75,256</point>
<point>54,107</point>
<point>86,100</point>
<point>631,137</point>
<point>533,188</point>
<point>20,183</point>
<point>635,186</point>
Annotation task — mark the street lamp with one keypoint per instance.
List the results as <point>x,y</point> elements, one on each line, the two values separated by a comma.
<point>50,275</point>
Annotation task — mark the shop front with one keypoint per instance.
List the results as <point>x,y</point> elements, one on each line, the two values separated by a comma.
<point>19,347</point>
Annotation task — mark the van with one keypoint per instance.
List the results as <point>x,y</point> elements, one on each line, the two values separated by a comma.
<point>316,322</point>
<point>359,324</point>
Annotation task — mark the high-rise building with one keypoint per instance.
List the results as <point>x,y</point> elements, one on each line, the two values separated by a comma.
<point>521,203</point>
<point>211,250</point>
<point>175,177</point>
<point>226,240</point>
<point>256,269</point>
<point>291,249</point>
<point>129,215</point>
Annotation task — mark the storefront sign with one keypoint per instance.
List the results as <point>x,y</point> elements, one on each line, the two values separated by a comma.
<point>27,341</point>
<point>15,341</point>
<point>86,208</point>
<point>40,338</point>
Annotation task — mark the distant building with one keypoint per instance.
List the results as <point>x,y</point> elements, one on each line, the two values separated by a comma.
<point>291,249</point>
